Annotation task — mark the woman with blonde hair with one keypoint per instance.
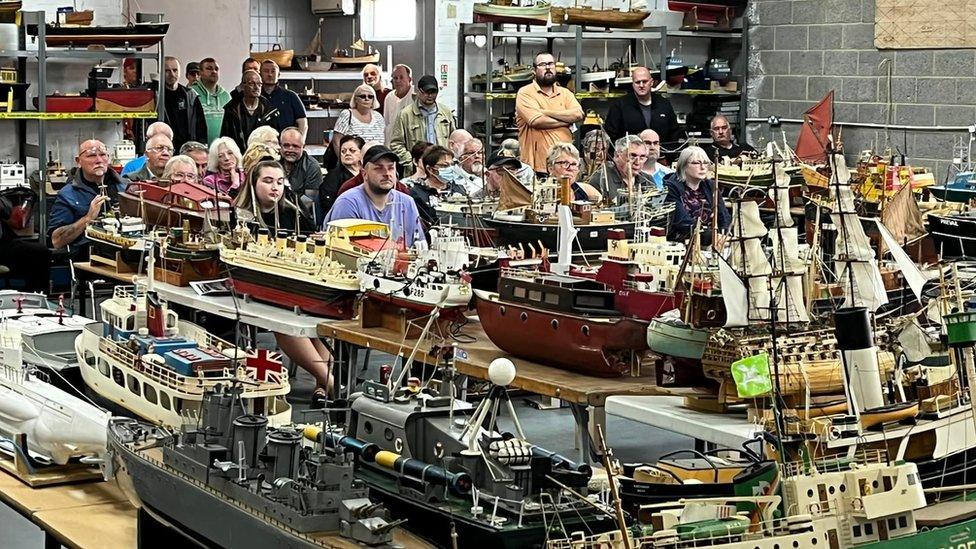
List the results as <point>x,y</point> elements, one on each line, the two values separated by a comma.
<point>180,169</point>
<point>264,134</point>
<point>360,118</point>
<point>563,160</point>
<point>224,167</point>
<point>691,189</point>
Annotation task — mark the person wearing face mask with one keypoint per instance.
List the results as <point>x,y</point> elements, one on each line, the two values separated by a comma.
<point>442,180</point>
<point>82,199</point>
<point>691,191</point>
<point>350,164</point>
<point>618,179</point>
<point>262,201</point>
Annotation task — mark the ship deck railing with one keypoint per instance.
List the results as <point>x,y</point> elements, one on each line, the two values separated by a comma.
<point>203,486</point>
<point>833,464</point>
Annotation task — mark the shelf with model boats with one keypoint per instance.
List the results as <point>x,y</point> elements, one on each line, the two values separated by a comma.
<point>604,95</point>
<point>34,115</point>
<point>566,31</point>
<point>81,53</point>
<point>320,75</point>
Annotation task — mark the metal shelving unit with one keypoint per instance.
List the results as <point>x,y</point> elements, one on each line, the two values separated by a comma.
<point>43,54</point>
<point>578,34</point>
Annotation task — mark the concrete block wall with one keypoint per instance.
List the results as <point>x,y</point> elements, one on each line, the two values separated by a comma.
<point>800,49</point>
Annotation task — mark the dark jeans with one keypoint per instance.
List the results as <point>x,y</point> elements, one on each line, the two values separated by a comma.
<point>28,260</point>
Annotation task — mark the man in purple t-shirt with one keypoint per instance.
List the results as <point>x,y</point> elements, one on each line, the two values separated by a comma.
<point>377,199</point>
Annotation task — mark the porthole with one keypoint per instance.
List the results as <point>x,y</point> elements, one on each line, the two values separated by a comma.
<point>585,330</point>
<point>524,316</point>
<point>501,310</point>
<point>555,324</point>
<point>368,427</point>
<point>388,434</point>
<point>831,490</point>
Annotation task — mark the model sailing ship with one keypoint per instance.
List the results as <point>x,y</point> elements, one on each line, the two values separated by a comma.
<point>145,359</point>
<point>234,481</point>
<point>289,271</point>
<point>445,467</point>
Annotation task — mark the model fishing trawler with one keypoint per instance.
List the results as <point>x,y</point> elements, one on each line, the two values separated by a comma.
<point>433,276</point>
<point>119,240</point>
<point>170,204</point>
<point>630,18</point>
<point>40,422</point>
<point>184,256</point>
<point>47,332</point>
<point>459,480</point>
<point>290,271</point>
<point>144,358</point>
<point>570,322</point>
<point>234,481</point>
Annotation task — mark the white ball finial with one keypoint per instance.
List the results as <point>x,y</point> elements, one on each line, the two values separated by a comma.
<point>501,371</point>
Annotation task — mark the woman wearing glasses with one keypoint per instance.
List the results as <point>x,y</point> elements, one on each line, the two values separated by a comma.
<point>360,118</point>
<point>180,169</point>
<point>563,160</point>
<point>691,188</point>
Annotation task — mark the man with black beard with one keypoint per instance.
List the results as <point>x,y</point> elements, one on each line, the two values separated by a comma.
<point>545,113</point>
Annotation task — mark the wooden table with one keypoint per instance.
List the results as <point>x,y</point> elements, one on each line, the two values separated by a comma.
<point>586,395</point>
<point>91,514</point>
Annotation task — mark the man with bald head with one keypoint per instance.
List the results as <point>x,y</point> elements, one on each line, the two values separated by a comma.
<point>642,109</point>
<point>140,161</point>
<point>92,183</point>
<point>159,149</point>
<point>657,172</point>
<point>303,173</point>
<point>457,140</point>
<point>373,78</point>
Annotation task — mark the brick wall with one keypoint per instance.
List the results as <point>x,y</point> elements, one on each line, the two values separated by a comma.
<point>800,49</point>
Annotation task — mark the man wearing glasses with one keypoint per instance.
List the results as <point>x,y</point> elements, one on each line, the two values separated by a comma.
<point>618,179</point>
<point>643,109</point>
<point>81,201</point>
<point>424,120</point>
<point>159,149</point>
<point>545,113</point>
<point>657,172</point>
<point>247,111</point>
<point>722,144</point>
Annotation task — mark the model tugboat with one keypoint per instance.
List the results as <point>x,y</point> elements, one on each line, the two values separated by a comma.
<point>432,277</point>
<point>185,256</point>
<point>40,422</point>
<point>289,272</point>
<point>235,482</point>
<point>119,241</point>
<point>443,465</point>
<point>171,204</point>
<point>144,358</point>
<point>47,332</point>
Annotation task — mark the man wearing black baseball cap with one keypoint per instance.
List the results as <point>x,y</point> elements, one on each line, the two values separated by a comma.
<point>378,200</point>
<point>424,120</point>
<point>493,174</point>
<point>192,73</point>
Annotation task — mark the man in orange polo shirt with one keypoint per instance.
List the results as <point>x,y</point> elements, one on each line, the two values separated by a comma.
<point>544,113</point>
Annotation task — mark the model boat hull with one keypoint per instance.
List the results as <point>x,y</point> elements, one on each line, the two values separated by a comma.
<point>954,235</point>
<point>611,19</point>
<point>519,15</point>
<point>142,35</point>
<point>596,346</point>
<point>953,194</point>
<point>316,299</point>
<point>679,341</point>
<point>590,238</point>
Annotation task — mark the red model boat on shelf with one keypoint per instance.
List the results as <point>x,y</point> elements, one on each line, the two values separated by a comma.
<point>174,204</point>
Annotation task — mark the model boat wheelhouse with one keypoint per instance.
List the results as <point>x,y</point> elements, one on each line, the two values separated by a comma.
<point>350,239</point>
<point>291,273</point>
<point>172,204</point>
<point>47,332</point>
<point>145,359</point>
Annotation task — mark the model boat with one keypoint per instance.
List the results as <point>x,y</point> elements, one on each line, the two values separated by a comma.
<point>144,358</point>
<point>347,240</point>
<point>632,18</point>
<point>119,240</point>
<point>55,175</point>
<point>502,11</point>
<point>961,189</point>
<point>288,272</point>
<point>356,56</point>
<point>184,256</point>
<point>954,233</point>
<point>432,278</point>
<point>48,333</point>
<point>41,419</point>
<point>12,176</point>
<point>122,152</point>
<point>172,204</point>
<point>138,35</point>
<point>235,482</point>
<point>445,463</point>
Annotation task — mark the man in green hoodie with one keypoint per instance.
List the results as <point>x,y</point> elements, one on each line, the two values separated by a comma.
<point>212,97</point>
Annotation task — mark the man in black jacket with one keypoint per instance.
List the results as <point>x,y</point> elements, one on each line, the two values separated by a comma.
<point>183,112</point>
<point>643,109</point>
<point>247,111</point>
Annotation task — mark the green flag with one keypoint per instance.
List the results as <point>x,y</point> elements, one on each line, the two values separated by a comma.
<point>751,375</point>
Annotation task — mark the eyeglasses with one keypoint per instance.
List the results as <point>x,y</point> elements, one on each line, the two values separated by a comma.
<point>182,176</point>
<point>720,128</point>
<point>95,152</point>
<point>634,156</point>
<point>567,164</point>
<point>473,153</point>
<point>365,97</point>
<point>251,84</point>
<point>546,64</point>
<point>160,149</point>
<point>700,163</point>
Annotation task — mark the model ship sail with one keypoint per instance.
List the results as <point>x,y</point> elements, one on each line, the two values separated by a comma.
<point>856,266</point>
<point>513,195</point>
<point>788,268</point>
<point>811,145</point>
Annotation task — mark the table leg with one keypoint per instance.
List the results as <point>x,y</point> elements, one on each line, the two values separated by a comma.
<point>51,542</point>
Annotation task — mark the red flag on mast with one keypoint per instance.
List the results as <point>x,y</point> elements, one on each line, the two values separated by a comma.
<point>811,146</point>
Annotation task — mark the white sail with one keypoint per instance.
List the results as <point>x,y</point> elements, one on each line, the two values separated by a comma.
<point>780,194</point>
<point>734,296</point>
<point>746,222</point>
<point>759,299</point>
<point>869,288</point>
<point>749,259</point>
<point>790,304</point>
<point>913,275</point>
<point>786,251</point>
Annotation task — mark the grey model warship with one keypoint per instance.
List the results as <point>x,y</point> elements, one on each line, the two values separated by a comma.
<point>237,483</point>
<point>444,463</point>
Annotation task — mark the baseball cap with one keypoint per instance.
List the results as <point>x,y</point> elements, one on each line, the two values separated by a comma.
<point>498,161</point>
<point>376,152</point>
<point>427,83</point>
<point>192,66</point>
